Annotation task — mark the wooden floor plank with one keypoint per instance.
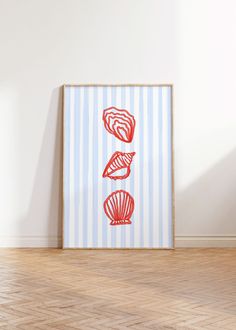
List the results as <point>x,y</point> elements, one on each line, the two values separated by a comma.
<point>185,289</point>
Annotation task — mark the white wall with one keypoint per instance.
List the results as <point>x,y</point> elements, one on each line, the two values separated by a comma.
<point>47,43</point>
<point>205,120</point>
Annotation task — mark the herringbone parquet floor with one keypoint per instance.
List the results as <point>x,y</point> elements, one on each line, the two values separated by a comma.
<point>54,289</point>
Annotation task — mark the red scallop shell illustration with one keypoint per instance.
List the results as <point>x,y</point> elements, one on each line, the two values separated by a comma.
<point>118,162</point>
<point>120,123</point>
<point>119,207</point>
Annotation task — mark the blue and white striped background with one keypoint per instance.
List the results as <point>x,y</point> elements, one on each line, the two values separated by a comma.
<point>87,149</point>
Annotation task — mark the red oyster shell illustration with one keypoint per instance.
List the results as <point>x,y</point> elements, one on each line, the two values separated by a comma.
<point>120,123</point>
<point>119,207</point>
<point>118,162</point>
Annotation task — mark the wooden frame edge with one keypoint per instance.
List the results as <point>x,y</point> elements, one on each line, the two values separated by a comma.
<point>172,160</point>
<point>173,166</point>
<point>118,85</point>
<point>63,157</point>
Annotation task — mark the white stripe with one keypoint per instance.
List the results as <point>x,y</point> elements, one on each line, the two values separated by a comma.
<point>109,181</point>
<point>155,157</point>
<point>146,173</point>
<point>100,169</point>
<point>165,167</point>
<point>72,178</point>
<point>90,168</point>
<point>81,173</point>
<point>118,182</point>
<point>127,181</point>
<point>136,167</point>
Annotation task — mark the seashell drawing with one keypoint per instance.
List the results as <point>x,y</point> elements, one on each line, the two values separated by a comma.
<point>119,162</point>
<point>119,207</point>
<point>120,123</point>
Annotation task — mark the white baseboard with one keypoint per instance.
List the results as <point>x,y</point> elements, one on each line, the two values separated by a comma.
<point>30,242</point>
<point>56,242</point>
<point>205,241</point>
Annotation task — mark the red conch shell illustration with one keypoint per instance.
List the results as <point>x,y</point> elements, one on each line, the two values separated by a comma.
<point>120,123</point>
<point>119,207</point>
<point>118,162</point>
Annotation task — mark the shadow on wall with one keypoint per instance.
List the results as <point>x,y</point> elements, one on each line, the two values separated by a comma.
<point>209,204</point>
<point>45,206</point>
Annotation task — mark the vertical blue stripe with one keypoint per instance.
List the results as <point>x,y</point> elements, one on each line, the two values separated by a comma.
<point>113,184</point>
<point>123,229</point>
<point>150,162</point>
<point>76,162</point>
<point>84,158</point>
<point>95,167</point>
<point>141,163</point>
<point>169,105</point>
<point>160,167</point>
<point>105,222</point>
<point>67,170</point>
<point>132,226</point>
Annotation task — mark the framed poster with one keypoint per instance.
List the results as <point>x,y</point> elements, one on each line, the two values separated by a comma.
<point>118,166</point>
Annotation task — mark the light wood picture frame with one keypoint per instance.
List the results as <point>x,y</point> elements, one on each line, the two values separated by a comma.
<point>118,173</point>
